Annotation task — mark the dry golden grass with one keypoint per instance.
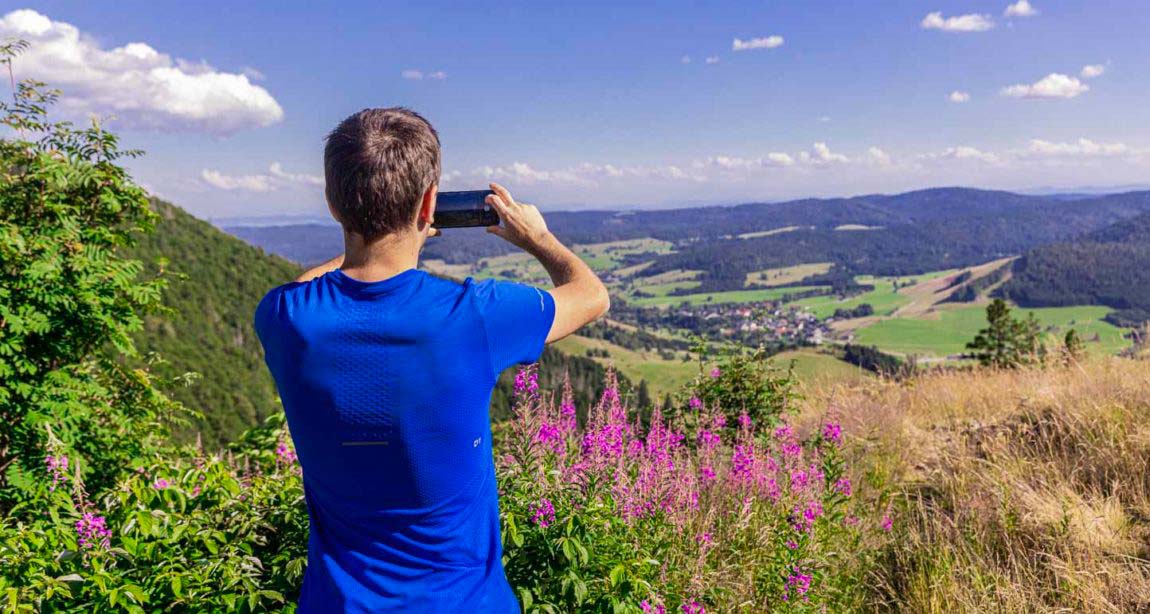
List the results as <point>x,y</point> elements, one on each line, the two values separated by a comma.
<point>1018,491</point>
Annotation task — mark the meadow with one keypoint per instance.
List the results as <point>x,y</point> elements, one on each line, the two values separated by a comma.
<point>1016,491</point>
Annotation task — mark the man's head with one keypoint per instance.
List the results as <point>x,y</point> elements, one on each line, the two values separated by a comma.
<point>381,168</point>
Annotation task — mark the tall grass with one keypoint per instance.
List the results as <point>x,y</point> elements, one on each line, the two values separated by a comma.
<point>1015,491</point>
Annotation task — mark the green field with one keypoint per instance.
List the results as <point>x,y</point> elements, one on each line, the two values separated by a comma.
<point>951,329</point>
<point>663,376</point>
<point>883,298</point>
<point>608,256</point>
<point>815,367</point>
<point>786,275</point>
<point>715,298</point>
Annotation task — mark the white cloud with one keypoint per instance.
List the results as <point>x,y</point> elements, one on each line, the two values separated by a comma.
<point>766,42</point>
<point>959,97</point>
<point>878,157</point>
<point>139,85</point>
<point>824,119</point>
<point>714,59</point>
<point>1092,70</point>
<point>1081,147</point>
<point>959,23</point>
<point>1054,85</point>
<point>275,179</point>
<point>771,160</point>
<point>963,152</point>
<point>821,154</point>
<point>1022,8</point>
<point>418,75</point>
<point>685,59</point>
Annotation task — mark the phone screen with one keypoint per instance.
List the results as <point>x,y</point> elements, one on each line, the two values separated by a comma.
<point>464,209</point>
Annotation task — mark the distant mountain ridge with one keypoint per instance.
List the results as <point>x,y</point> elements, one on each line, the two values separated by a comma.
<point>917,231</point>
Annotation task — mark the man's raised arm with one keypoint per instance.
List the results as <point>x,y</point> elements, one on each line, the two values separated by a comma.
<point>579,296</point>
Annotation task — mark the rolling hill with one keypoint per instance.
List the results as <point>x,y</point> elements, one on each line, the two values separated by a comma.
<point>908,233</point>
<point>1109,267</point>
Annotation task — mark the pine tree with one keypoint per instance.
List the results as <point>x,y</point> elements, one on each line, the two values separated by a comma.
<point>1007,342</point>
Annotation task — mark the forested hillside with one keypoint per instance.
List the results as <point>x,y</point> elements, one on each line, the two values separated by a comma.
<point>1109,267</point>
<point>216,281</point>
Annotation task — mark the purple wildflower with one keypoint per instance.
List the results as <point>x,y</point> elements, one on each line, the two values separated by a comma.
<point>843,487</point>
<point>696,403</point>
<point>799,583</point>
<point>161,484</point>
<point>693,606</point>
<point>58,467</point>
<point>92,531</point>
<point>887,523</point>
<point>544,513</point>
<point>284,453</point>
<point>833,432</point>
<point>652,609</point>
<point>716,372</point>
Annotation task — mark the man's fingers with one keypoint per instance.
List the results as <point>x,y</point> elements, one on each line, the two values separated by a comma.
<point>435,232</point>
<point>498,204</point>
<point>503,193</point>
<point>495,230</point>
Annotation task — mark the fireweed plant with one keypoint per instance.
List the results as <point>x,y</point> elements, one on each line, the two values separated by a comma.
<point>690,512</point>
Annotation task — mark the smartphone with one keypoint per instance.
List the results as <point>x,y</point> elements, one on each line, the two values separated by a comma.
<point>464,209</point>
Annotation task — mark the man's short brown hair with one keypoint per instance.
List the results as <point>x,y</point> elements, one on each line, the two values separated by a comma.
<point>377,164</point>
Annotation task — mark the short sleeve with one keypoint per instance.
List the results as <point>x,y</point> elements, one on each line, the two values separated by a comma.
<point>516,318</point>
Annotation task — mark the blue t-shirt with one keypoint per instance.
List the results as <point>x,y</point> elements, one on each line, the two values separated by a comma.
<point>386,386</point>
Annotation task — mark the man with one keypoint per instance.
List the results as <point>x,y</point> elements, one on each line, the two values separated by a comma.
<point>386,374</point>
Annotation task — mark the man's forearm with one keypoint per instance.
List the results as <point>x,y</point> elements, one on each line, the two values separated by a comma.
<point>580,297</point>
<point>561,264</point>
<point>326,267</point>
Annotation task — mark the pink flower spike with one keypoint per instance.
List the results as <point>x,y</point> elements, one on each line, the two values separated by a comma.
<point>716,372</point>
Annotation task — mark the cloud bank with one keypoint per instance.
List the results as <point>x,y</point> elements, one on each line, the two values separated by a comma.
<point>142,87</point>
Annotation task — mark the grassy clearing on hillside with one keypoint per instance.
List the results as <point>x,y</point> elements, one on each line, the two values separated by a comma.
<point>1016,491</point>
<point>883,298</point>
<point>766,233</point>
<point>663,376</point>
<point>947,330</point>
<point>732,296</point>
<point>608,256</point>
<point>815,368</point>
<point>786,275</point>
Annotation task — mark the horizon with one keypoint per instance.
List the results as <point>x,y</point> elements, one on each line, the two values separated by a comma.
<point>595,107</point>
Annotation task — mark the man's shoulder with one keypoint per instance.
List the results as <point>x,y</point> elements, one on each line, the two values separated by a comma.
<point>272,302</point>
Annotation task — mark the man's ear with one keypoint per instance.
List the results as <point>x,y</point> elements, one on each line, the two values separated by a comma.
<point>427,204</point>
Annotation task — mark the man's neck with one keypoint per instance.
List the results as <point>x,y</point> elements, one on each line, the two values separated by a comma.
<point>381,259</point>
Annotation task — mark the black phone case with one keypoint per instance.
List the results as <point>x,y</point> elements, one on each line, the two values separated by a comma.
<point>464,210</point>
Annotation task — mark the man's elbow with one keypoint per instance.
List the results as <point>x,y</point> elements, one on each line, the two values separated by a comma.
<point>602,302</point>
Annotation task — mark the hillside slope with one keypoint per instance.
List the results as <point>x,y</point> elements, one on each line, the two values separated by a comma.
<point>1109,267</point>
<point>216,281</point>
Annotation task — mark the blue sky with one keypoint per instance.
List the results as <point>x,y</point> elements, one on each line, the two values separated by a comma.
<point>601,104</point>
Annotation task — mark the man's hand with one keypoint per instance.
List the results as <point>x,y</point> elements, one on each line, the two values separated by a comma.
<point>522,224</point>
<point>579,295</point>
